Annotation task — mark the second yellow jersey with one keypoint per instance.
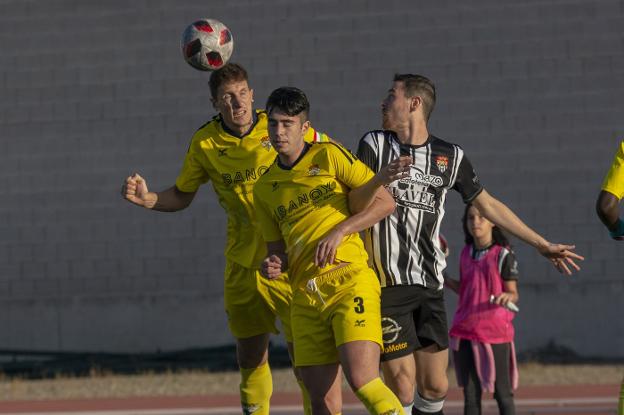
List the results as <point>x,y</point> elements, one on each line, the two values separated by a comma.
<point>302,203</point>
<point>233,165</point>
<point>614,182</point>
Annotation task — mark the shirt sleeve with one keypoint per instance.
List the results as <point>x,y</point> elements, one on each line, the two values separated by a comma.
<point>193,173</point>
<point>508,265</point>
<point>614,181</point>
<point>265,221</point>
<point>315,136</point>
<point>348,169</point>
<point>366,152</point>
<point>467,183</point>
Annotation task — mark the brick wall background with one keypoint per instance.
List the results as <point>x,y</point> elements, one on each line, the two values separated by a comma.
<point>94,91</point>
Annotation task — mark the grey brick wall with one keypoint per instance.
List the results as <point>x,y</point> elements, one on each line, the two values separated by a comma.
<point>94,91</point>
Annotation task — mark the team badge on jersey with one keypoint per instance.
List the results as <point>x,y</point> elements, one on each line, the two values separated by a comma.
<point>442,163</point>
<point>266,143</point>
<point>313,170</point>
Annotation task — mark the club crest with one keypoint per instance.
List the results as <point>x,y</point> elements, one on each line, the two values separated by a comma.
<point>313,170</point>
<point>266,143</point>
<point>442,163</point>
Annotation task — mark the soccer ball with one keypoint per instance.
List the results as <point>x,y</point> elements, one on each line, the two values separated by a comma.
<point>207,44</point>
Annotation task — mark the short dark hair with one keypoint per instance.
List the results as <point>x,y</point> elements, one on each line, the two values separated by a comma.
<point>289,100</point>
<point>498,236</point>
<point>230,72</point>
<point>421,86</point>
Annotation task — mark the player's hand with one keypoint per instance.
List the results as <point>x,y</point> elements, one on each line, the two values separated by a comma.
<point>504,298</point>
<point>135,190</point>
<point>326,249</point>
<point>272,267</point>
<point>561,257</point>
<point>397,169</point>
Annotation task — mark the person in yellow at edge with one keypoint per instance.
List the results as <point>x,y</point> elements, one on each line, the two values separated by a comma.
<point>303,206</point>
<point>607,207</point>
<point>232,151</point>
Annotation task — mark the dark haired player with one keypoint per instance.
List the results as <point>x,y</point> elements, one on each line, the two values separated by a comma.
<point>405,248</point>
<point>303,211</point>
<point>232,151</point>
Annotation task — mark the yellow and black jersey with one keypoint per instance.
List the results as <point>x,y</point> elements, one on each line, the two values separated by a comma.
<point>302,203</point>
<point>614,182</point>
<point>233,165</point>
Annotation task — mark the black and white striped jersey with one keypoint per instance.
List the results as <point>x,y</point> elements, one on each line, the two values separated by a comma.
<point>404,248</point>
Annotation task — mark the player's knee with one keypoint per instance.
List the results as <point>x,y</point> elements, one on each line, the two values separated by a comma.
<point>434,388</point>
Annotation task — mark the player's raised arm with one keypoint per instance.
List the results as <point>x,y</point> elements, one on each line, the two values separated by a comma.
<point>383,205</point>
<point>561,255</point>
<point>607,205</point>
<point>135,191</point>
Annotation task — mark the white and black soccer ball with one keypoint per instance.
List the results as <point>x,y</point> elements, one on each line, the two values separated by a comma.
<point>207,44</point>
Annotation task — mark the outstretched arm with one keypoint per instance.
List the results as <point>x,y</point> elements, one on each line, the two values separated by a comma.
<point>172,199</point>
<point>495,211</point>
<point>382,206</point>
<point>607,208</point>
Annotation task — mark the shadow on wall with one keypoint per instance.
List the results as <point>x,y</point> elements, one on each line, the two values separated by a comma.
<point>41,364</point>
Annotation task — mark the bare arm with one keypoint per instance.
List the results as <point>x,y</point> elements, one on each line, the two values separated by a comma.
<point>607,208</point>
<point>510,293</point>
<point>451,283</point>
<point>495,211</point>
<point>382,206</point>
<point>362,197</point>
<point>276,261</point>
<point>135,191</point>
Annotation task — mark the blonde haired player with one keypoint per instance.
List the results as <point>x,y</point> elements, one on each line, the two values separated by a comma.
<point>607,207</point>
<point>232,151</point>
<point>303,210</point>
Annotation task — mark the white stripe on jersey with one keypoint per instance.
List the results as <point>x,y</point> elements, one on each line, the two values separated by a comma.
<point>419,259</point>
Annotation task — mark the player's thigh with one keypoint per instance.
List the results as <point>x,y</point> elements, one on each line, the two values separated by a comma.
<point>355,308</point>
<point>313,338</point>
<point>252,351</point>
<point>430,320</point>
<point>248,302</point>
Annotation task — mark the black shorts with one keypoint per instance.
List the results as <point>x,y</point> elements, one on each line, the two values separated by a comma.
<point>412,317</point>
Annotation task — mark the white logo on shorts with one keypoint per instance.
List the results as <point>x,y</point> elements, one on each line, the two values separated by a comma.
<point>390,330</point>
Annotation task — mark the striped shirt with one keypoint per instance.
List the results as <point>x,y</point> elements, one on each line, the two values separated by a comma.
<point>404,248</point>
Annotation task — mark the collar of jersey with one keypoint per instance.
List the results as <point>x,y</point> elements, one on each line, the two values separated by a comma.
<point>396,137</point>
<point>306,147</point>
<point>232,133</point>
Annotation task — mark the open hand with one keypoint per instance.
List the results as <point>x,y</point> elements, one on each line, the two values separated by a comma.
<point>561,256</point>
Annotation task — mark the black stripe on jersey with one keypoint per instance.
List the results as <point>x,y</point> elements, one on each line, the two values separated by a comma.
<point>349,155</point>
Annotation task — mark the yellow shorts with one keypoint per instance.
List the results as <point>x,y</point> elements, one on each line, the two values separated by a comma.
<point>336,307</point>
<point>252,302</point>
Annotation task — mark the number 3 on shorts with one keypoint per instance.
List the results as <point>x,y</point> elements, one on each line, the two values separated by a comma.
<point>359,308</point>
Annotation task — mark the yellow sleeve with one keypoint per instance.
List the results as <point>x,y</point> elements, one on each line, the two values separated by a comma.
<point>193,173</point>
<point>348,168</point>
<point>314,136</point>
<point>614,182</point>
<point>267,225</point>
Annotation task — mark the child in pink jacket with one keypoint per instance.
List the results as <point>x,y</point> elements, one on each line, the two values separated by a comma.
<point>482,332</point>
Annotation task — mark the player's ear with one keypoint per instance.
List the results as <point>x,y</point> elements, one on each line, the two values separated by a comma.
<point>304,128</point>
<point>251,94</point>
<point>415,102</point>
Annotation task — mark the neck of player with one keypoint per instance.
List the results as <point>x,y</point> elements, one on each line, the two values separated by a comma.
<point>414,134</point>
<point>289,157</point>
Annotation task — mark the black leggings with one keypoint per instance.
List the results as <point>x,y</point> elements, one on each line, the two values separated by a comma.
<point>503,393</point>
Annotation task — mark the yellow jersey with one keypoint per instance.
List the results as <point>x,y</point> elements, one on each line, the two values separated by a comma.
<point>614,182</point>
<point>233,164</point>
<point>302,203</point>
